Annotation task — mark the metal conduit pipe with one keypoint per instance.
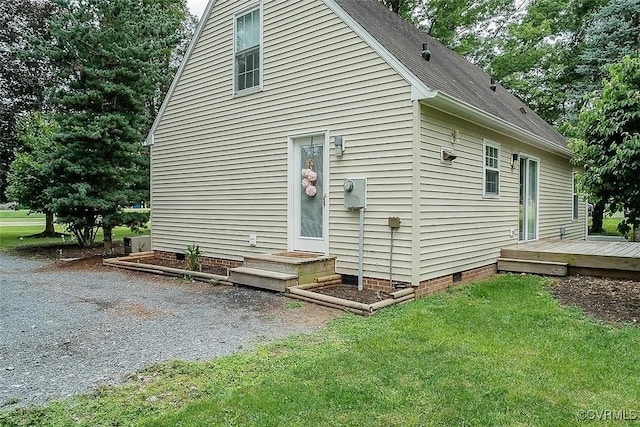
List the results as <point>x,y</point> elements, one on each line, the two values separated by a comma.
<point>391,259</point>
<point>361,251</point>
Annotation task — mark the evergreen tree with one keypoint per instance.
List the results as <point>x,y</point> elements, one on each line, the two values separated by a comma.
<point>614,33</point>
<point>111,54</point>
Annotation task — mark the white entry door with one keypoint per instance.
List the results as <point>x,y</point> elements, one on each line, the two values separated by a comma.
<point>308,194</point>
<point>528,221</point>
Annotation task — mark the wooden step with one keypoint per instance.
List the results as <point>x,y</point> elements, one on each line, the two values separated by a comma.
<point>305,268</point>
<point>264,279</point>
<point>549,268</point>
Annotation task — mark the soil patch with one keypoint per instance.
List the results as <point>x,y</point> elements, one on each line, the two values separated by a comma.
<point>351,293</point>
<point>182,265</point>
<point>609,300</point>
<point>56,251</point>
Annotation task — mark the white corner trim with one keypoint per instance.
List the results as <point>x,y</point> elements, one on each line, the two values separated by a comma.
<point>205,17</point>
<point>418,89</point>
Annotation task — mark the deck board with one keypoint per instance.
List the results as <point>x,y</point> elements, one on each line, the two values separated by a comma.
<point>598,256</point>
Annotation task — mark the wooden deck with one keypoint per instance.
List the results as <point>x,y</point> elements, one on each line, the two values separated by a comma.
<point>594,258</point>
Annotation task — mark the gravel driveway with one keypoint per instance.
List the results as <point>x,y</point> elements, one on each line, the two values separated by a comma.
<point>66,331</point>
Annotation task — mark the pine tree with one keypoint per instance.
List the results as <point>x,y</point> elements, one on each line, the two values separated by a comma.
<point>111,54</point>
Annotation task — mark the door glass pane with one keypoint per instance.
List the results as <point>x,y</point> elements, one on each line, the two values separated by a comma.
<point>311,189</point>
<point>532,208</point>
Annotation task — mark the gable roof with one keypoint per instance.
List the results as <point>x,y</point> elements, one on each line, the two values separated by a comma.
<point>447,82</point>
<point>451,83</point>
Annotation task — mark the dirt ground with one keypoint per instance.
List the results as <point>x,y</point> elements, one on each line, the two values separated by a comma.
<point>352,293</point>
<point>609,300</point>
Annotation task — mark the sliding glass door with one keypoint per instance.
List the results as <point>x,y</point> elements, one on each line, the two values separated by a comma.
<point>528,221</point>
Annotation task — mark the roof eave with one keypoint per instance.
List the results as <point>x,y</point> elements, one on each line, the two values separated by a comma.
<point>205,16</point>
<point>418,89</point>
<point>464,111</point>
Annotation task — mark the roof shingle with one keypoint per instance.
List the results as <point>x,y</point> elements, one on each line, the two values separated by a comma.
<point>446,72</point>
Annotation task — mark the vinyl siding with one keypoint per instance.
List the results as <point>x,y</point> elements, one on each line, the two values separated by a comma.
<point>219,162</point>
<point>461,229</point>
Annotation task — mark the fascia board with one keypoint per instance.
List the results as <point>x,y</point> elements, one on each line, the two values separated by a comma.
<point>418,89</point>
<point>464,111</point>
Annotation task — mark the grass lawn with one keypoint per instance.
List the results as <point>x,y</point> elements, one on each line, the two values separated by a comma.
<point>10,234</point>
<point>19,215</point>
<point>501,352</point>
<point>610,226</point>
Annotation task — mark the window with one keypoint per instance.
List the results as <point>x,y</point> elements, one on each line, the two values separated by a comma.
<point>491,169</point>
<point>247,48</point>
<point>575,205</point>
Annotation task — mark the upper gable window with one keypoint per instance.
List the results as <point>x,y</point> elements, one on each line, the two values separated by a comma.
<point>491,169</point>
<point>248,50</point>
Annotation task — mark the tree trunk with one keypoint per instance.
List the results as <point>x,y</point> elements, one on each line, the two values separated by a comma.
<point>636,234</point>
<point>597,218</point>
<point>108,239</point>
<point>48,225</point>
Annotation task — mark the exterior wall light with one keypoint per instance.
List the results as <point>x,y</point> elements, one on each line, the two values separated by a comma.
<point>514,159</point>
<point>339,144</point>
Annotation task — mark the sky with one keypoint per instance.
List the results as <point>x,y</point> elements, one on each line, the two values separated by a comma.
<point>197,6</point>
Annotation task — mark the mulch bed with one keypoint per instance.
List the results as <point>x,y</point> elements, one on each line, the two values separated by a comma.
<point>352,293</point>
<point>69,250</point>
<point>182,265</point>
<point>609,300</point>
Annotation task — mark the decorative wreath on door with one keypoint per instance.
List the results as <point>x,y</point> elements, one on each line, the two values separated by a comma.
<point>309,179</point>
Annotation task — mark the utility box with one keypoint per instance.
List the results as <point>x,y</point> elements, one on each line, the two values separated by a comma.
<point>136,244</point>
<point>355,193</point>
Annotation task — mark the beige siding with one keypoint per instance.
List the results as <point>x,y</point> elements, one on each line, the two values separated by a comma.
<point>219,170</point>
<point>460,229</point>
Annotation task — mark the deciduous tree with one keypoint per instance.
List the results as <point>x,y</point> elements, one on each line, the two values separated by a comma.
<point>27,176</point>
<point>610,149</point>
<point>24,79</point>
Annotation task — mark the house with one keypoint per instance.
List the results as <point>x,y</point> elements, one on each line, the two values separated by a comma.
<point>455,166</point>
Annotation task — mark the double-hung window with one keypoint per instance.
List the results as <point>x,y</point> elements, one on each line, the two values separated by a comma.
<point>491,169</point>
<point>248,50</point>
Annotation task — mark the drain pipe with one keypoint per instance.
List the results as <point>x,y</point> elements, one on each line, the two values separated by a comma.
<point>361,251</point>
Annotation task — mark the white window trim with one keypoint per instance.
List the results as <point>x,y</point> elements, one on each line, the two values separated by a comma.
<point>236,15</point>
<point>526,156</point>
<point>487,143</point>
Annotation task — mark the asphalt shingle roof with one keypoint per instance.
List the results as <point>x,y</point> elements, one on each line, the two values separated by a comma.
<point>446,72</point>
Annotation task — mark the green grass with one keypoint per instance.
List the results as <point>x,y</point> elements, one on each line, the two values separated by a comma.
<point>501,352</point>
<point>20,215</point>
<point>609,225</point>
<point>10,234</point>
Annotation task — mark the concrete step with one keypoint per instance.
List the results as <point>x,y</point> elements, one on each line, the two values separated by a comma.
<point>264,279</point>
<point>549,268</point>
<point>306,268</point>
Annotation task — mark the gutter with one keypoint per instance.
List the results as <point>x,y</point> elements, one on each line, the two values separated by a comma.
<point>445,103</point>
